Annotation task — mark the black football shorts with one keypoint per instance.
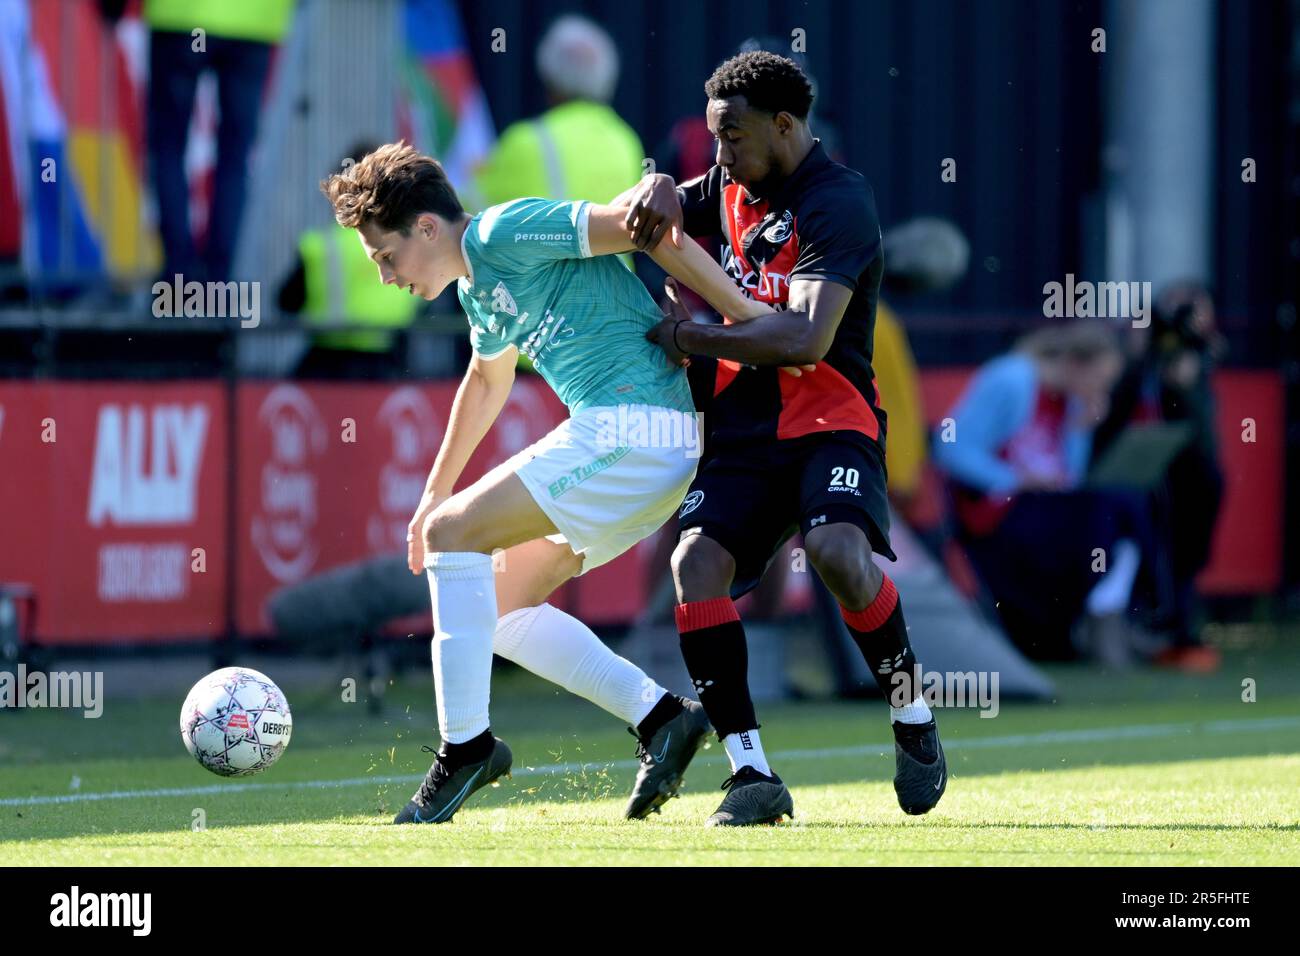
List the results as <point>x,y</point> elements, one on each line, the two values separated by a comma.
<point>751,499</point>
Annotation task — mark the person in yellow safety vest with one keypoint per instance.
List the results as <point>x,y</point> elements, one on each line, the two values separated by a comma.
<point>900,397</point>
<point>579,148</point>
<point>233,40</point>
<point>921,255</point>
<point>336,284</point>
<point>340,287</point>
<point>265,21</point>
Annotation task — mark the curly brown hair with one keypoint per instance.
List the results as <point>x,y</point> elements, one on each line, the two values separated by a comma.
<point>768,82</point>
<point>391,186</point>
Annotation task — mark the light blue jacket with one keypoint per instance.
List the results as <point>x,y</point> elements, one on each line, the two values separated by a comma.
<point>997,404</point>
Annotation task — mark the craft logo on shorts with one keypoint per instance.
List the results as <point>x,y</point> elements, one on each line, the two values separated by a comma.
<point>691,502</point>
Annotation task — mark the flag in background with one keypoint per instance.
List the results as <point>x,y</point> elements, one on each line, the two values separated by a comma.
<point>75,145</point>
<point>442,109</point>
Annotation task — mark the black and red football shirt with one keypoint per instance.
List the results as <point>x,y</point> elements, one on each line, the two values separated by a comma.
<point>820,223</point>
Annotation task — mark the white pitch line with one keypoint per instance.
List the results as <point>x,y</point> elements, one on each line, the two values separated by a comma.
<point>1092,735</point>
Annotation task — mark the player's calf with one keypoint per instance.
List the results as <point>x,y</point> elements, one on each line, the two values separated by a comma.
<point>713,647</point>
<point>875,620</point>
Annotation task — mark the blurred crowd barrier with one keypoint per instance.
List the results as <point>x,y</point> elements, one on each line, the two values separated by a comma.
<point>165,511</point>
<point>75,183</point>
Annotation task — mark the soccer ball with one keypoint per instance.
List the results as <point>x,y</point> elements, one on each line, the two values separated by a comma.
<point>236,722</point>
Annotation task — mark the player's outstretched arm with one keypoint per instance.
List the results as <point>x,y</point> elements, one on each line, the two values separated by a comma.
<point>695,268</point>
<point>690,264</point>
<point>651,211</point>
<point>801,335</point>
<point>479,400</point>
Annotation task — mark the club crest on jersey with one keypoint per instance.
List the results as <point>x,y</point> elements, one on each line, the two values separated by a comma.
<point>503,301</point>
<point>780,231</point>
<point>691,502</point>
<point>762,240</point>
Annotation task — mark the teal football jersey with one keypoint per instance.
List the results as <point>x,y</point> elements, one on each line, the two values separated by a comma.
<point>582,320</point>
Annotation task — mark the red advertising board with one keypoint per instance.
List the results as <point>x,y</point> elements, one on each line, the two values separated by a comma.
<point>329,473</point>
<point>116,498</point>
<point>114,507</point>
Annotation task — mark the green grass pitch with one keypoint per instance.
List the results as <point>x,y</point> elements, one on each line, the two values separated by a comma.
<point>1141,769</point>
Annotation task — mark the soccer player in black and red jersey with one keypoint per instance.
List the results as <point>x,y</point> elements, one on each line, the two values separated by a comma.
<point>785,452</point>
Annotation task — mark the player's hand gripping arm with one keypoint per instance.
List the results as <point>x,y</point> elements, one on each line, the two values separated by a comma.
<point>479,400</point>
<point>651,211</point>
<point>654,210</point>
<point>800,335</point>
<point>690,264</point>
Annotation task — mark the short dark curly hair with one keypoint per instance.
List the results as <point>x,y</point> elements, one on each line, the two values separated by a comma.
<point>768,82</point>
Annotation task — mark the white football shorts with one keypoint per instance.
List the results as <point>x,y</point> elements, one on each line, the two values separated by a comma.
<point>611,475</point>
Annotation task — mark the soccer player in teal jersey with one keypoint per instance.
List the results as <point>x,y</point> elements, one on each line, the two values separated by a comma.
<point>539,277</point>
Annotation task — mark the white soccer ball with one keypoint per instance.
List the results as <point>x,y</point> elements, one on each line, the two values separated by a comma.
<point>236,722</point>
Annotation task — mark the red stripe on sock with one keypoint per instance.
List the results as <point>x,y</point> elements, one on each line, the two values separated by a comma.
<point>701,614</point>
<point>877,612</point>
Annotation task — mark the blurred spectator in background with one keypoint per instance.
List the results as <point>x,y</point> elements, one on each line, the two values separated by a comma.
<point>334,282</point>
<point>921,255</point>
<point>1015,450</point>
<point>1167,379</point>
<point>579,147</point>
<point>235,43</point>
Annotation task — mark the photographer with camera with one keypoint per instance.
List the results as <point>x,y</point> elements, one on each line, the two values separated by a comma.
<point>1167,380</point>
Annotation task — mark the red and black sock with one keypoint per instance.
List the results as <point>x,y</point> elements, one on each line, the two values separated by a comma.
<point>881,635</point>
<point>713,647</point>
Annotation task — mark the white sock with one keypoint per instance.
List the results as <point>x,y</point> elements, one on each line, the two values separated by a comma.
<point>464,595</point>
<point>917,712</point>
<point>745,749</point>
<point>1111,594</point>
<point>560,648</point>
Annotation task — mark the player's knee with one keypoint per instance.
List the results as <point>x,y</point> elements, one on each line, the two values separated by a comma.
<point>841,556</point>
<point>447,529</point>
<point>702,569</point>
